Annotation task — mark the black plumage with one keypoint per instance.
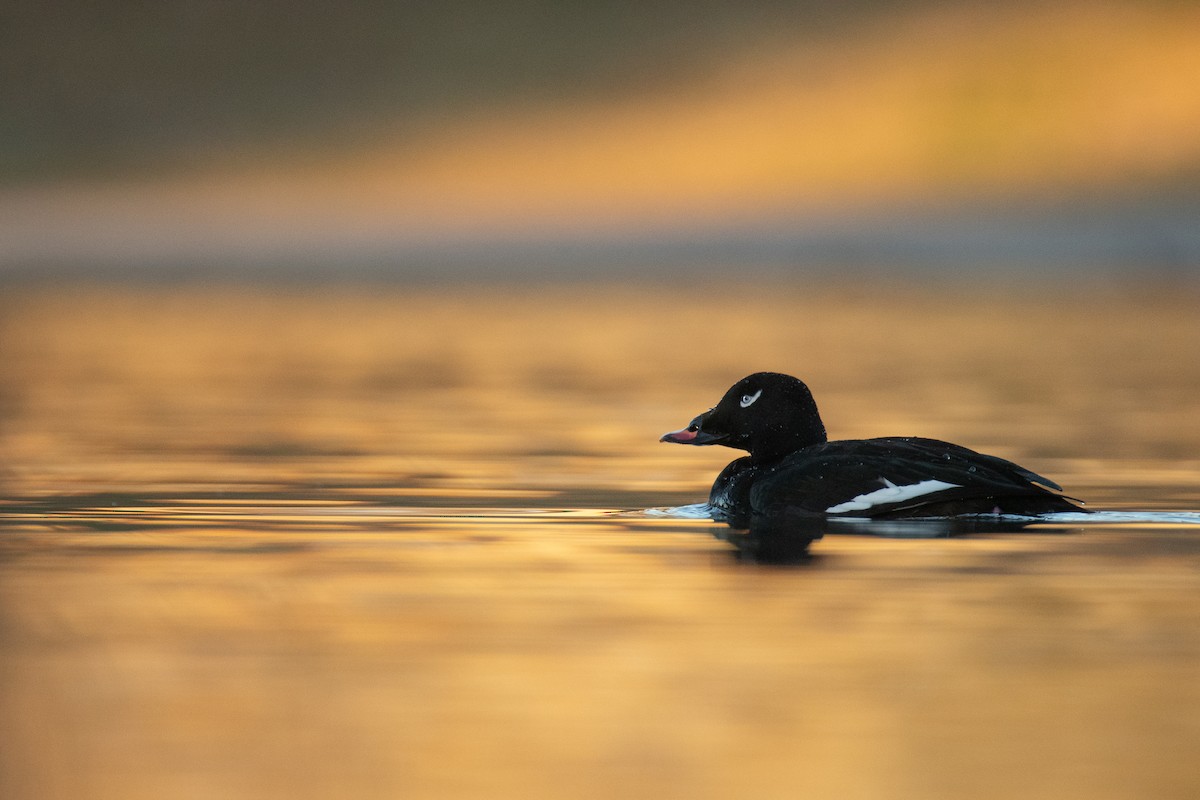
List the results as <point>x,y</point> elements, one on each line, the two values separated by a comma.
<point>793,470</point>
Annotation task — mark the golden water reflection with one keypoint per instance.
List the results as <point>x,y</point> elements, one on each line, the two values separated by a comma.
<point>376,544</point>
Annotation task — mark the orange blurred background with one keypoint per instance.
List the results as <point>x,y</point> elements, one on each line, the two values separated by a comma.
<point>502,139</point>
<point>346,526</point>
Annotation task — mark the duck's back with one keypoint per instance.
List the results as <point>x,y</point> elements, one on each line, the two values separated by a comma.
<point>888,477</point>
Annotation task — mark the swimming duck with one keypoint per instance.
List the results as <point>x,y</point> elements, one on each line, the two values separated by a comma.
<point>793,470</point>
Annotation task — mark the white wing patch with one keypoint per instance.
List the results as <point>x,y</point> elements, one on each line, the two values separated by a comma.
<point>891,493</point>
<point>748,399</point>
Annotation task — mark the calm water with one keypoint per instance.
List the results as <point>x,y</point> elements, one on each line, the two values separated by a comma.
<point>386,543</point>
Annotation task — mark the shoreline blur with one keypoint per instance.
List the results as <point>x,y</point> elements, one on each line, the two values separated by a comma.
<point>1033,137</point>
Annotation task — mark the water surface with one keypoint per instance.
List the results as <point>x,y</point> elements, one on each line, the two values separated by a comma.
<point>424,543</point>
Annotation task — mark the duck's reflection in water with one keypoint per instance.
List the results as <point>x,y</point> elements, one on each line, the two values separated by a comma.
<point>784,539</point>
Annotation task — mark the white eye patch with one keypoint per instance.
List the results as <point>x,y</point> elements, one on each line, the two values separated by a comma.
<point>748,399</point>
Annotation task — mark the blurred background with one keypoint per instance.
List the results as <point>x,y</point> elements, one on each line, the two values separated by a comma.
<point>335,336</point>
<point>532,138</point>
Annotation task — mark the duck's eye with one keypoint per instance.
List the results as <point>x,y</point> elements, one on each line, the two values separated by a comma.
<point>748,399</point>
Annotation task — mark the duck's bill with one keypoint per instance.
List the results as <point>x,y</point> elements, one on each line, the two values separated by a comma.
<point>691,435</point>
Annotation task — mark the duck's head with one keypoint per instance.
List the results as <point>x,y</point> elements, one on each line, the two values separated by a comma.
<point>766,414</point>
